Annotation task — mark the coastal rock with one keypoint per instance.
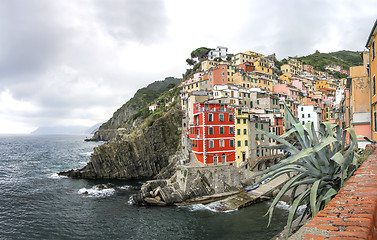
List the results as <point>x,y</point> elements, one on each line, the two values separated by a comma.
<point>138,157</point>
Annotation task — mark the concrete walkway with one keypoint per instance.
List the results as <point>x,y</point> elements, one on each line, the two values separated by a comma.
<point>244,198</point>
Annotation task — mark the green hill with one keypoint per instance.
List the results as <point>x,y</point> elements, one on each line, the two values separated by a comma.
<point>343,58</point>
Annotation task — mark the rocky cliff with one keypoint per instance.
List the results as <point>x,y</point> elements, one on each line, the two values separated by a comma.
<point>143,155</point>
<point>129,117</point>
<point>141,143</point>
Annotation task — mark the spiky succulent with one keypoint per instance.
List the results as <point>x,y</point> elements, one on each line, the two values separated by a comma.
<point>319,164</point>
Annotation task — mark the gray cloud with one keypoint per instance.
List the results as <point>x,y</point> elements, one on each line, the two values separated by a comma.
<point>77,60</point>
<point>142,20</point>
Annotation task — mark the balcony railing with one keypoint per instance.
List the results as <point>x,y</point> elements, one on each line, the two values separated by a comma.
<point>214,110</point>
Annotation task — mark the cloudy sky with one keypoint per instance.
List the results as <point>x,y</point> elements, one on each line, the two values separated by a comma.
<point>69,62</point>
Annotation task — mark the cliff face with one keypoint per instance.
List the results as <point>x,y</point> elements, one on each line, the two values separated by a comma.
<point>127,118</point>
<point>142,155</point>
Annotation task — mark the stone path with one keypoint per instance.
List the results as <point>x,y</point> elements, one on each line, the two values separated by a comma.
<point>244,198</point>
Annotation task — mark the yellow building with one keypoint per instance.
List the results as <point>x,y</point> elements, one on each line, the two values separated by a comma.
<point>372,77</point>
<point>208,64</point>
<point>242,138</point>
<point>248,56</point>
<point>261,64</point>
<point>286,78</point>
<point>294,66</point>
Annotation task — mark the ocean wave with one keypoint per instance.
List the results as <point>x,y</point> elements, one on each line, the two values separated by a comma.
<point>213,207</point>
<point>131,201</point>
<point>86,153</point>
<point>96,192</point>
<point>285,206</point>
<point>125,187</point>
<point>55,176</point>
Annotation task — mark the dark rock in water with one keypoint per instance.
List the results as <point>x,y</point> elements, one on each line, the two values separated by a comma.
<point>153,201</point>
<point>142,156</point>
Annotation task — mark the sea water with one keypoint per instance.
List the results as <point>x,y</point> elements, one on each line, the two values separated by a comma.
<point>36,203</point>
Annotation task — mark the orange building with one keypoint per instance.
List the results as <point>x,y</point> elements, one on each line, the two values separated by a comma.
<point>372,77</point>
<point>358,85</point>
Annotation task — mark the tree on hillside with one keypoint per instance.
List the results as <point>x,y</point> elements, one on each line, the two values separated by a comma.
<point>201,53</point>
<point>190,62</point>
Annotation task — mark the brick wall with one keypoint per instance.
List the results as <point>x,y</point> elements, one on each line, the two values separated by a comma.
<point>352,213</point>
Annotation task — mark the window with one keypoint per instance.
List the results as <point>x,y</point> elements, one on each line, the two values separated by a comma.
<point>221,143</point>
<point>238,121</point>
<point>239,112</point>
<point>221,117</point>
<point>308,115</point>
<point>231,130</point>
<point>231,143</point>
<point>206,106</point>
<point>210,130</point>
<point>303,115</point>
<point>375,121</point>
<point>238,143</point>
<point>223,158</point>
<point>211,145</point>
<point>257,102</point>
<point>238,131</point>
<point>230,117</point>
<point>256,125</point>
<point>374,84</point>
<point>222,107</point>
<point>245,143</point>
<point>215,160</point>
<point>221,130</point>
<point>210,117</point>
<point>244,132</point>
<point>244,121</point>
<point>256,137</point>
<point>261,126</point>
<point>373,51</point>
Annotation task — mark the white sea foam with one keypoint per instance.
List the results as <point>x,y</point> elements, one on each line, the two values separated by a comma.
<point>213,207</point>
<point>125,187</point>
<point>96,192</point>
<point>285,206</point>
<point>55,176</point>
<point>86,153</point>
<point>131,201</point>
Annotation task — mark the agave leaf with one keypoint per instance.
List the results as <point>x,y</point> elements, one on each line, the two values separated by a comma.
<point>286,134</point>
<point>279,195</point>
<point>313,197</point>
<point>294,207</point>
<point>331,192</point>
<point>290,147</point>
<point>301,135</point>
<point>288,112</point>
<point>310,132</point>
<point>279,172</point>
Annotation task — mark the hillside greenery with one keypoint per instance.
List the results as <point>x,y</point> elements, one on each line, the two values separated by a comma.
<point>343,58</point>
<point>143,98</point>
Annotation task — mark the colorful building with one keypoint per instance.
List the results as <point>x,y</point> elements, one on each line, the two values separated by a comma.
<point>358,85</point>
<point>213,133</point>
<point>370,45</point>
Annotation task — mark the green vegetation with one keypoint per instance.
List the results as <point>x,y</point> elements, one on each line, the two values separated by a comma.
<point>143,98</point>
<point>343,58</point>
<point>201,53</point>
<point>319,166</point>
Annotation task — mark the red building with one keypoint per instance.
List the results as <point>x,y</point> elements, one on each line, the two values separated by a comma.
<point>213,133</point>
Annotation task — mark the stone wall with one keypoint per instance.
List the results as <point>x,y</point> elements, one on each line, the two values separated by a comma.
<point>219,178</point>
<point>352,213</point>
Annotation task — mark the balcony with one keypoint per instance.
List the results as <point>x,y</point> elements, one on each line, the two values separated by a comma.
<point>215,110</point>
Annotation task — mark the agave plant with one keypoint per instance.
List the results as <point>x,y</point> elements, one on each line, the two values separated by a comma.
<point>319,165</point>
